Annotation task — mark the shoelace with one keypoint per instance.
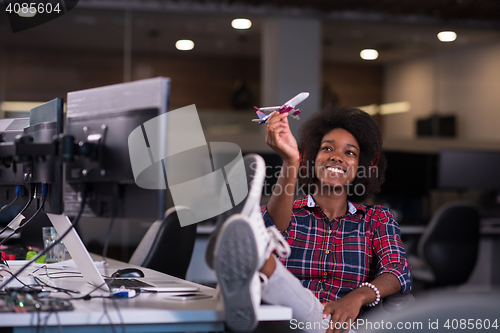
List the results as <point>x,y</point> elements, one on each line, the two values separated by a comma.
<point>278,242</point>
<point>263,279</point>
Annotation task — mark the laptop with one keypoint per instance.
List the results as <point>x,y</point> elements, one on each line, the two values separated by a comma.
<point>91,274</point>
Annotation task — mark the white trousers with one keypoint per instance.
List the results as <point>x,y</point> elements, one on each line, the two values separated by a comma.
<point>283,288</point>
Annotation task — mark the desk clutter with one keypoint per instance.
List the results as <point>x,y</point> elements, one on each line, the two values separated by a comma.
<point>16,252</point>
<point>90,143</point>
<point>19,300</point>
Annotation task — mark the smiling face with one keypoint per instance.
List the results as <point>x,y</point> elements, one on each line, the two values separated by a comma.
<point>337,160</point>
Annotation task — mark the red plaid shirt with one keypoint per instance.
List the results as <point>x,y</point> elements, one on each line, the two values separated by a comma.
<point>331,258</point>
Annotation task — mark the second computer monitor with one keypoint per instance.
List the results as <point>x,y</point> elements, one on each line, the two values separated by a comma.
<point>104,117</point>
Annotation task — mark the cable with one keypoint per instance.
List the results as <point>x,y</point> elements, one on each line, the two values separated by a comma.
<point>22,210</point>
<point>43,284</point>
<point>46,322</point>
<point>19,193</point>
<point>24,224</point>
<point>38,320</point>
<point>20,281</point>
<point>59,326</point>
<point>75,222</point>
<point>114,211</point>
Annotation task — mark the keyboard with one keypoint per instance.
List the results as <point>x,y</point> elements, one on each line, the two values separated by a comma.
<point>127,283</point>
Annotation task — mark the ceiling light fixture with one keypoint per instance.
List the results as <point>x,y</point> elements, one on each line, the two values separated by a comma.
<point>369,54</point>
<point>241,23</point>
<point>447,36</point>
<point>184,44</point>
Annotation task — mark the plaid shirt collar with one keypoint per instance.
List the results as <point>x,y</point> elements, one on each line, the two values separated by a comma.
<point>308,201</point>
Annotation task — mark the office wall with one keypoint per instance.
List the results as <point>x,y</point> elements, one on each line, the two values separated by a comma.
<point>41,75</point>
<point>356,85</point>
<point>463,81</point>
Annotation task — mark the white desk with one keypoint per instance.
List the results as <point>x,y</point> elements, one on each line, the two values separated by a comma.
<point>145,313</point>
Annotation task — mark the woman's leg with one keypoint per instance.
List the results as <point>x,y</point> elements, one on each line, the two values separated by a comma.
<point>283,288</point>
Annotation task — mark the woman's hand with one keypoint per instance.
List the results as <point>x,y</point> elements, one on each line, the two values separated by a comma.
<point>343,313</point>
<point>280,138</point>
<point>345,310</point>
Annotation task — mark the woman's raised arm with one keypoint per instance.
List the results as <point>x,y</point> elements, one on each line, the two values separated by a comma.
<point>281,140</point>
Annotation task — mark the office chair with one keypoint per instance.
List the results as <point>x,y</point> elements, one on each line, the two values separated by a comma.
<point>448,249</point>
<point>167,247</point>
<point>255,169</point>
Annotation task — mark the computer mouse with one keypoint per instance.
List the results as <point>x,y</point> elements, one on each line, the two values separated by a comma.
<point>128,272</point>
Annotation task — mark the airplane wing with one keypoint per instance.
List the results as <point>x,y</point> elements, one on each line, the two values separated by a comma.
<point>268,108</point>
<point>297,99</point>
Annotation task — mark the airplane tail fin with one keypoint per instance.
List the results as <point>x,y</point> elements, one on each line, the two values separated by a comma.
<point>261,114</point>
<point>296,113</point>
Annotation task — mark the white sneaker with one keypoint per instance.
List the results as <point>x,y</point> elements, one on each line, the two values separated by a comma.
<point>239,247</point>
<point>242,248</point>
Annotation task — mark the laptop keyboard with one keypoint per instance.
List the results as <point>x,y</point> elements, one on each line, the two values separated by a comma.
<point>127,283</point>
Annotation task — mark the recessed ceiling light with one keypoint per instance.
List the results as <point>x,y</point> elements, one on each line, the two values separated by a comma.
<point>184,44</point>
<point>369,54</point>
<point>447,36</point>
<point>241,23</point>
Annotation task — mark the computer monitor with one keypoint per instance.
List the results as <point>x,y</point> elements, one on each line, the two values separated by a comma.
<point>11,172</point>
<point>105,116</point>
<point>46,123</point>
<point>469,169</point>
<point>409,180</point>
<point>32,169</point>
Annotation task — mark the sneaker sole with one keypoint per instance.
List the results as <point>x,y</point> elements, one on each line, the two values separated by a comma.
<point>235,265</point>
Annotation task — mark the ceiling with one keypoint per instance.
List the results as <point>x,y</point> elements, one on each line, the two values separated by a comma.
<point>398,29</point>
<point>480,10</point>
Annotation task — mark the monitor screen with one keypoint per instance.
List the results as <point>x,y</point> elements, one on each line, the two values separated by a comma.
<point>409,173</point>
<point>410,178</point>
<point>46,123</point>
<point>106,116</point>
<point>468,169</point>
<point>11,173</point>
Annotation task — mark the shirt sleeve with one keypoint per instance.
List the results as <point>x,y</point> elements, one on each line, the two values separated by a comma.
<point>270,223</point>
<point>390,252</point>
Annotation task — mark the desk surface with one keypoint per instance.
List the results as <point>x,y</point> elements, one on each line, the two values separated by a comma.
<point>145,313</point>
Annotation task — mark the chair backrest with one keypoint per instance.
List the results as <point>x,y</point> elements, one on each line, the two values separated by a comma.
<point>255,169</point>
<point>450,243</point>
<point>167,247</point>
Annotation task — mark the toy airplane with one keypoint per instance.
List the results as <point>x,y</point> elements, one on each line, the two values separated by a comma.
<point>287,107</point>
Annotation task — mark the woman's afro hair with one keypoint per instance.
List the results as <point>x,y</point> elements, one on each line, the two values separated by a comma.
<point>372,163</point>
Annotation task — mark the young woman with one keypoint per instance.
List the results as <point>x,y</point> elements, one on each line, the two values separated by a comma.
<point>340,255</point>
<point>348,254</point>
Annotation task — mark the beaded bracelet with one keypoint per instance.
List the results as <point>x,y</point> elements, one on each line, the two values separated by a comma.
<point>377,293</point>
